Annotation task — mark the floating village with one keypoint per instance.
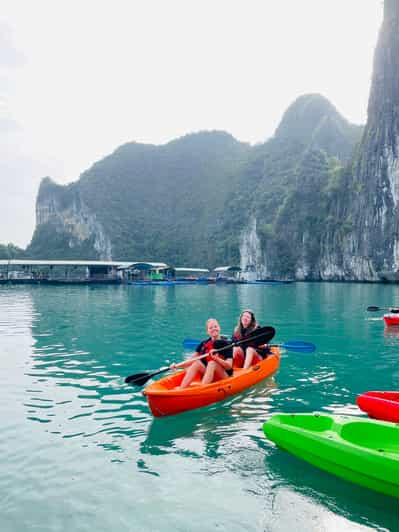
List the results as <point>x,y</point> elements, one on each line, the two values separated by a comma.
<point>59,272</point>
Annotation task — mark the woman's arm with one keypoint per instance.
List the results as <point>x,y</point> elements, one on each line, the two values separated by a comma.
<point>186,363</point>
<point>226,364</point>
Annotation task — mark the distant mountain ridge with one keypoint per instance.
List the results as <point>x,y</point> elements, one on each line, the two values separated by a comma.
<point>314,118</point>
<point>189,201</point>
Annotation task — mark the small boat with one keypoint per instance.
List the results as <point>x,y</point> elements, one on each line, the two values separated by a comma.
<point>380,405</point>
<point>165,399</point>
<point>169,282</point>
<point>267,282</point>
<point>358,449</point>
<point>391,319</point>
<point>274,281</point>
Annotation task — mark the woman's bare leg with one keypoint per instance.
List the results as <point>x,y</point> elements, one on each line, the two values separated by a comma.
<point>213,372</point>
<point>238,356</point>
<point>249,355</point>
<point>191,373</point>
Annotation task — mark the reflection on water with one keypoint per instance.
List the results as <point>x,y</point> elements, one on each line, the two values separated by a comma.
<point>65,354</point>
<point>209,426</point>
<point>287,471</point>
<point>391,334</point>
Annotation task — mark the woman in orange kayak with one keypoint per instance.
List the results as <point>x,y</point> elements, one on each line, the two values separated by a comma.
<point>245,357</point>
<point>215,366</point>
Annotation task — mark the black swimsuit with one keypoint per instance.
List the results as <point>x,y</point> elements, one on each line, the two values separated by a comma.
<point>262,351</point>
<point>208,344</point>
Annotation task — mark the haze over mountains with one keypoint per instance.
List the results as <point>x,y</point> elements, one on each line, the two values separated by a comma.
<point>316,201</point>
<point>188,201</point>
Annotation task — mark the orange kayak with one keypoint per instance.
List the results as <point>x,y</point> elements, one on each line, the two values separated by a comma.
<point>165,399</point>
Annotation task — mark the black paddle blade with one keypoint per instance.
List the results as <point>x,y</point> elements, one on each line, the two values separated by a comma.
<point>260,336</point>
<point>138,379</point>
<point>225,346</point>
<point>394,310</point>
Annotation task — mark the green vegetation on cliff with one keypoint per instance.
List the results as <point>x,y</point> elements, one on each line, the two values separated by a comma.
<point>9,251</point>
<point>187,202</point>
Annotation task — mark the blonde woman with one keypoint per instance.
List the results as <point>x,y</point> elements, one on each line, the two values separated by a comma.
<point>215,366</point>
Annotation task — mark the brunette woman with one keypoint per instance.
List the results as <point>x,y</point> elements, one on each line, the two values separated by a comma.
<point>250,354</point>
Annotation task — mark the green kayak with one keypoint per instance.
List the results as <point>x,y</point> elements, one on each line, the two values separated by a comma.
<point>358,449</point>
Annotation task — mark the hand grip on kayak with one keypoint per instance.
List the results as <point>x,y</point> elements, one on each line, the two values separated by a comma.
<point>394,310</point>
<point>260,336</point>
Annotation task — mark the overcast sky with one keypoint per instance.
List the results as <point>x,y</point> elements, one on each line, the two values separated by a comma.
<point>78,78</point>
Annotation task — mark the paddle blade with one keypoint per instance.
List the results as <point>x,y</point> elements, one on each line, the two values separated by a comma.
<point>190,343</point>
<point>394,310</point>
<point>139,379</point>
<point>260,336</point>
<point>299,346</point>
<point>225,346</point>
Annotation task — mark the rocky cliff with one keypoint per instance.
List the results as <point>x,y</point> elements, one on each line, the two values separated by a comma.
<point>66,227</point>
<point>346,225</point>
<point>193,201</point>
<point>374,242</point>
<point>318,201</point>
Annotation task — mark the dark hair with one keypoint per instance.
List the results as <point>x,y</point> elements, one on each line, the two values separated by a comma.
<point>239,329</point>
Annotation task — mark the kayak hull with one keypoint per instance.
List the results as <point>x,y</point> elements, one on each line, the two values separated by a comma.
<point>164,399</point>
<point>360,450</point>
<point>391,319</point>
<point>380,405</point>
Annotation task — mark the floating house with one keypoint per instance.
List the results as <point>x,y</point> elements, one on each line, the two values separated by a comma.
<point>145,271</point>
<point>227,274</point>
<point>191,274</point>
<point>20,271</point>
<point>60,271</point>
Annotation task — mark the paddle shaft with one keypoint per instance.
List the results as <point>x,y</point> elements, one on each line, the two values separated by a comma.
<point>394,310</point>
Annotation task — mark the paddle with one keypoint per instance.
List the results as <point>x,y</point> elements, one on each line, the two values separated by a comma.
<point>260,336</point>
<point>391,309</point>
<point>291,345</point>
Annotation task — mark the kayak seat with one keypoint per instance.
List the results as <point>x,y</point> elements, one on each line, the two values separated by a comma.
<point>382,437</point>
<point>315,423</point>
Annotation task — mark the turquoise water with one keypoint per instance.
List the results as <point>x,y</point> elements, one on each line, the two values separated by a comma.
<point>80,451</point>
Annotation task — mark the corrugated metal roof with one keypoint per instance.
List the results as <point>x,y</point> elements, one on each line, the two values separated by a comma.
<point>120,264</point>
<point>227,269</point>
<point>193,270</point>
<point>26,262</point>
<point>144,265</point>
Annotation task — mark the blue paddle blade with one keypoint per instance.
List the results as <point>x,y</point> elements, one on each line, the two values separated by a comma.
<point>298,345</point>
<point>190,343</point>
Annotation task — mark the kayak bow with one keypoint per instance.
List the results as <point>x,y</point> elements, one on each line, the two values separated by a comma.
<point>380,405</point>
<point>357,449</point>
